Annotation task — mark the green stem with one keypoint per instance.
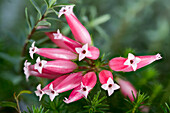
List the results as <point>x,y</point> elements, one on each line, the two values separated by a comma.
<point>134,109</point>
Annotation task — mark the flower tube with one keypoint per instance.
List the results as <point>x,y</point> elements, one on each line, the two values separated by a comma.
<point>56,66</point>
<point>51,53</point>
<point>132,63</point>
<point>69,82</point>
<point>29,71</point>
<point>79,31</point>
<point>63,41</point>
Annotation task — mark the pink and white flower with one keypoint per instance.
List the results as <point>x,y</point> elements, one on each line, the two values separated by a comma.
<point>79,31</point>
<point>39,92</point>
<point>88,82</point>
<point>32,49</point>
<point>51,92</point>
<point>53,53</point>
<point>132,63</point>
<point>83,52</point>
<point>106,79</point>
<point>55,67</point>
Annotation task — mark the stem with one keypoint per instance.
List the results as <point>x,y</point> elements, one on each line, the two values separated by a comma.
<point>29,36</point>
<point>134,109</point>
<point>19,111</point>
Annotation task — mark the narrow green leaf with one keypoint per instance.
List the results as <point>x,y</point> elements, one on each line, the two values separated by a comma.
<point>100,20</point>
<point>27,19</point>
<point>24,91</point>
<point>8,104</point>
<point>44,23</point>
<point>52,2</point>
<point>61,5</point>
<point>37,8</point>
<point>46,2</point>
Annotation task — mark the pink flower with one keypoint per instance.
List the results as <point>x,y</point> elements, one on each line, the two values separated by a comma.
<point>51,53</point>
<point>40,92</point>
<point>106,79</point>
<point>56,66</point>
<point>29,71</point>
<point>62,84</point>
<point>79,31</point>
<point>88,82</point>
<point>83,52</point>
<point>132,63</point>
<point>127,88</point>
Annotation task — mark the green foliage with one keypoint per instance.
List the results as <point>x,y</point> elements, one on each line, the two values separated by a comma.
<point>96,104</point>
<point>8,104</point>
<point>138,102</point>
<point>166,109</point>
<point>56,106</point>
<point>36,110</point>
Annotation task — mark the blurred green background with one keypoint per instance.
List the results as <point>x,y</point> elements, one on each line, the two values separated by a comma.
<point>117,27</point>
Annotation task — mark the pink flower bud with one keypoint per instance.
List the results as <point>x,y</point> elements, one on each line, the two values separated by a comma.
<point>106,79</point>
<point>127,88</point>
<point>132,63</point>
<point>54,67</point>
<point>79,31</point>
<point>88,82</point>
<point>63,41</point>
<point>59,54</point>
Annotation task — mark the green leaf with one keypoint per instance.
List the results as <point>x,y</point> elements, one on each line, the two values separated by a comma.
<point>8,104</point>
<point>44,23</point>
<point>51,2</point>
<point>24,91</point>
<point>62,4</point>
<point>37,8</point>
<point>99,20</point>
<point>27,19</point>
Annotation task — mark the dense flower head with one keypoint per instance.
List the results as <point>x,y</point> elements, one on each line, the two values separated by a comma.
<point>66,72</point>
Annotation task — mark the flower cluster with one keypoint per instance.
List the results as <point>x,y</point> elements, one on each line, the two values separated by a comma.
<point>62,67</point>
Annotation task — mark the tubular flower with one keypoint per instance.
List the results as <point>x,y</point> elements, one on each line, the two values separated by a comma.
<point>29,71</point>
<point>56,66</point>
<point>79,31</point>
<point>106,79</point>
<point>51,53</point>
<point>88,82</point>
<point>132,63</point>
<point>127,88</point>
<point>62,84</point>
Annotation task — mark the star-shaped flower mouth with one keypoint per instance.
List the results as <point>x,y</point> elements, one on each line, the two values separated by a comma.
<point>84,90</point>
<point>26,69</point>
<point>51,92</point>
<point>132,61</point>
<point>66,9</point>
<point>39,92</point>
<point>39,64</point>
<point>58,35</point>
<point>83,52</point>
<point>33,49</point>
<point>110,86</point>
